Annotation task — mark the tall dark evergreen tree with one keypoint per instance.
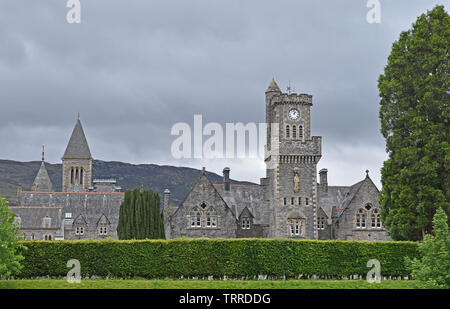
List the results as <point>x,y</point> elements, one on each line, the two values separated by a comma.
<point>414,114</point>
<point>140,216</point>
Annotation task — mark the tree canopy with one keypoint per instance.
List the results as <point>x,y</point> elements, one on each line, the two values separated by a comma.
<point>9,244</point>
<point>414,114</point>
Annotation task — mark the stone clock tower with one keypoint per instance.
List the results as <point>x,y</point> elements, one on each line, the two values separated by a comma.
<point>291,160</point>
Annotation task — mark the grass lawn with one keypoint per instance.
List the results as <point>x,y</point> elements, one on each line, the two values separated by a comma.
<point>203,284</point>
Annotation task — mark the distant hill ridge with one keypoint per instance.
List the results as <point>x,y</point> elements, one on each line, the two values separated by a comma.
<point>129,176</point>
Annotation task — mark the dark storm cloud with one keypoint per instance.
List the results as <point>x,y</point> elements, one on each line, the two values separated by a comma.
<point>133,69</point>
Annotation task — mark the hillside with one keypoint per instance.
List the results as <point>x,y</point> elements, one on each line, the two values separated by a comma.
<point>129,176</point>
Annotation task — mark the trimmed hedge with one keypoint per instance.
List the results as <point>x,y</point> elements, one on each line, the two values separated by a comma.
<point>234,258</point>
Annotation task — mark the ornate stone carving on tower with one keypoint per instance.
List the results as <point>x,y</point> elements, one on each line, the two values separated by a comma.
<point>77,162</point>
<point>291,192</point>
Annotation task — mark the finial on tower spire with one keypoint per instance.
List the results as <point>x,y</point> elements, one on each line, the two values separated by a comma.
<point>43,153</point>
<point>367,173</point>
<point>78,115</point>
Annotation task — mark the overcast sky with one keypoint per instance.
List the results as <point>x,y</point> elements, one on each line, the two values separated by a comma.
<point>132,69</point>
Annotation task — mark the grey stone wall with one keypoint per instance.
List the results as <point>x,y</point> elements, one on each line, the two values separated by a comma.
<point>366,195</point>
<point>203,192</point>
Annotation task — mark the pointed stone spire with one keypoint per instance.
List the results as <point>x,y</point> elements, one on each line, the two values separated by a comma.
<point>77,148</point>
<point>42,182</point>
<point>273,86</point>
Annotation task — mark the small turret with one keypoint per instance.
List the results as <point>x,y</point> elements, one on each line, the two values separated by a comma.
<point>42,182</point>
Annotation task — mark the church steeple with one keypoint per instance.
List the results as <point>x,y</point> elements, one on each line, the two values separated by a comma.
<point>42,182</point>
<point>77,148</point>
<point>77,162</point>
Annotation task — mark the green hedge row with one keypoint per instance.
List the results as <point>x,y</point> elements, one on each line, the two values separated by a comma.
<point>220,257</point>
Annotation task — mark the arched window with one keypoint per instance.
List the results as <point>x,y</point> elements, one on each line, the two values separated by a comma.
<point>245,221</point>
<point>81,176</point>
<point>288,133</point>
<point>300,132</point>
<point>211,217</point>
<point>375,218</point>
<point>361,218</point>
<point>71,176</point>
<point>294,131</point>
<point>196,217</point>
<point>203,217</point>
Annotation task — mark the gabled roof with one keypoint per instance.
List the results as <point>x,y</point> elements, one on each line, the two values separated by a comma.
<point>42,182</point>
<point>211,185</point>
<point>77,148</point>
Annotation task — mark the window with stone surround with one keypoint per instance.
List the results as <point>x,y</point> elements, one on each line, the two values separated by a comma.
<point>300,132</point>
<point>294,131</point>
<point>321,223</point>
<point>306,201</point>
<point>288,133</point>
<point>360,220</point>
<point>296,227</point>
<point>103,230</point>
<point>79,230</point>
<point>245,223</point>
<point>203,217</point>
<point>375,218</point>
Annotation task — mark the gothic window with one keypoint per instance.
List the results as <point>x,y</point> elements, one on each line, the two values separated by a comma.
<point>81,176</point>
<point>288,132</point>
<point>296,227</point>
<point>292,201</point>
<point>294,131</point>
<point>203,217</point>
<point>76,176</point>
<point>211,218</point>
<point>361,218</point>
<point>71,176</point>
<point>285,201</point>
<point>375,217</point>
<point>245,223</point>
<point>306,201</point>
<point>321,223</point>
<point>300,132</point>
<point>299,200</point>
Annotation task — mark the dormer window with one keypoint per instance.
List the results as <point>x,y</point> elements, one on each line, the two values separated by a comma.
<point>79,230</point>
<point>245,223</point>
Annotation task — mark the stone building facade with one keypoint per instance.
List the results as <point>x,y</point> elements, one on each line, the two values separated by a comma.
<point>86,209</point>
<point>288,202</point>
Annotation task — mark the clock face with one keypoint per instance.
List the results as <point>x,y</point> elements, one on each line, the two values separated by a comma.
<point>293,114</point>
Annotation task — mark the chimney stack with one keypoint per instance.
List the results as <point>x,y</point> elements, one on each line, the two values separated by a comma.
<point>166,198</point>
<point>226,179</point>
<point>323,180</point>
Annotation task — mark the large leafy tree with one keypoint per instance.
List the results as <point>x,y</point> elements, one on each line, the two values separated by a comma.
<point>414,114</point>
<point>9,241</point>
<point>140,216</point>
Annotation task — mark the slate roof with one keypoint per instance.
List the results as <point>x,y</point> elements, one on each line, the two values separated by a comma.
<point>32,216</point>
<point>77,148</point>
<point>250,196</point>
<point>338,196</point>
<point>42,182</point>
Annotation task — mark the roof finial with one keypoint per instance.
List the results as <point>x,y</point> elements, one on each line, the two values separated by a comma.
<point>367,173</point>
<point>78,115</point>
<point>43,153</point>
